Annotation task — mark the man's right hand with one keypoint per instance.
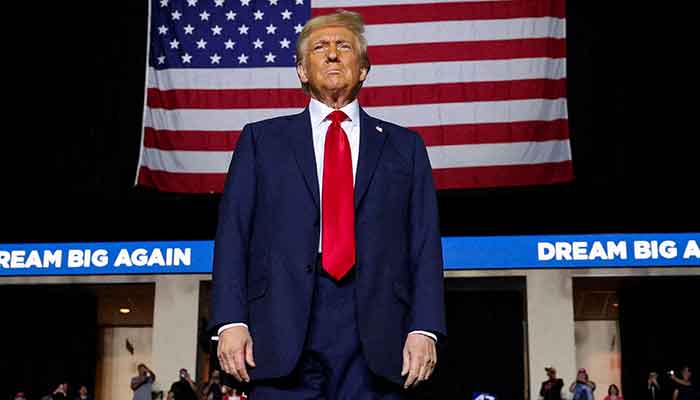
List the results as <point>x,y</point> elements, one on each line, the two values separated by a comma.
<point>235,350</point>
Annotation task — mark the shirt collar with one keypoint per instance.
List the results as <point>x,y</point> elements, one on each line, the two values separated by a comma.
<point>319,111</point>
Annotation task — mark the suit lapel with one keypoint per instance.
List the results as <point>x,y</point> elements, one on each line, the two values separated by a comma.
<point>301,137</point>
<point>371,144</point>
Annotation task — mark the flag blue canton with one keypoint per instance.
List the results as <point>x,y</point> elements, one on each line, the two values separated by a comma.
<point>225,33</point>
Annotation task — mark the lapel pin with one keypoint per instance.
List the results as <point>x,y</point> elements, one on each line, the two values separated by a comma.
<point>379,128</point>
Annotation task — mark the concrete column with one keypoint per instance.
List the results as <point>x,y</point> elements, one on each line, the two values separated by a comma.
<point>550,319</point>
<point>175,316</point>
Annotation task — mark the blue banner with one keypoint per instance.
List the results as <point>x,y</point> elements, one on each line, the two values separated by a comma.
<point>480,253</point>
<point>106,258</point>
<point>572,251</point>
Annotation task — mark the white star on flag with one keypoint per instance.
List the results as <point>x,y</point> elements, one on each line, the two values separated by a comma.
<point>215,59</point>
<point>229,44</point>
<point>243,30</point>
<point>300,2</point>
<point>201,44</point>
<point>298,28</point>
<point>230,16</point>
<point>164,3</point>
<point>258,15</point>
<point>273,2</point>
<point>245,3</point>
<point>271,29</point>
<point>191,3</point>
<point>204,16</point>
<point>189,29</point>
<point>174,44</point>
<point>161,60</point>
<point>216,30</point>
<point>285,43</point>
<point>176,15</point>
<point>269,57</point>
<point>186,59</point>
<point>162,30</point>
<point>243,59</point>
<point>258,43</point>
<point>286,14</point>
<point>219,3</point>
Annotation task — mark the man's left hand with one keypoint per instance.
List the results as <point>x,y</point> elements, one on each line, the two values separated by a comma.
<point>419,359</point>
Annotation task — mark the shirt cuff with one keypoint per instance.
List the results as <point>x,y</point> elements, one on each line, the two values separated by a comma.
<point>428,334</point>
<point>223,328</point>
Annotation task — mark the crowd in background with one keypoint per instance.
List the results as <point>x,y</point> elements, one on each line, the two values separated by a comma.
<point>61,392</point>
<point>184,388</point>
<point>583,388</point>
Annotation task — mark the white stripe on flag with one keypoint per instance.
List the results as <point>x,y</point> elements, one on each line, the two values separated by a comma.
<point>492,154</point>
<point>466,71</point>
<point>197,162</point>
<point>471,155</point>
<point>380,75</point>
<point>466,31</point>
<point>404,115</point>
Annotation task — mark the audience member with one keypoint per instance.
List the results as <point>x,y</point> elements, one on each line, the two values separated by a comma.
<point>142,384</point>
<point>184,388</point>
<point>613,393</point>
<point>551,388</point>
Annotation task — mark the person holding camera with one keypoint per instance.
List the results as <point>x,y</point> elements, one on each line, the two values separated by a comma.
<point>551,388</point>
<point>653,387</point>
<point>184,388</point>
<point>212,389</point>
<point>583,387</point>
<point>684,388</point>
<point>142,385</point>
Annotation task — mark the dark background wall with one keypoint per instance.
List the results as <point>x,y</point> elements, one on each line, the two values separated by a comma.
<point>77,104</point>
<point>49,336</point>
<point>658,331</point>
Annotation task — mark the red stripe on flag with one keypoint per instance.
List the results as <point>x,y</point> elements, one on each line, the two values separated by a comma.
<point>443,135</point>
<point>467,51</point>
<point>217,99</point>
<point>462,92</point>
<point>505,132</point>
<point>190,140</point>
<point>182,182</point>
<point>369,96</point>
<point>402,13</point>
<point>506,175</point>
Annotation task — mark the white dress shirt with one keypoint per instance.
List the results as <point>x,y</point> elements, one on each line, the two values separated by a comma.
<point>318,113</point>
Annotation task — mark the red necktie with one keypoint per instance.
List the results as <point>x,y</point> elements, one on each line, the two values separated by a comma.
<point>338,242</point>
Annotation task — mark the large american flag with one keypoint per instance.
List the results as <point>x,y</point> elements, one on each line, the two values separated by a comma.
<point>483,82</point>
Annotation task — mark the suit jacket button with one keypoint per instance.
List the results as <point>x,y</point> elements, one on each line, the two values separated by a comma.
<point>309,268</point>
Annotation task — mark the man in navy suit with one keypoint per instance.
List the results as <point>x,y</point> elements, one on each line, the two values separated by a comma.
<point>327,254</point>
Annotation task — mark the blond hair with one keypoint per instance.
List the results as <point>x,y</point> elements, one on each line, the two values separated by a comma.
<point>347,19</point>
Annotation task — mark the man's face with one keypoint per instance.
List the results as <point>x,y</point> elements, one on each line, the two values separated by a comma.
<point>551,373</point>
<point>331,62</point>
<point>142,370</point>
<point>83,391</point>
<point>686,373</point>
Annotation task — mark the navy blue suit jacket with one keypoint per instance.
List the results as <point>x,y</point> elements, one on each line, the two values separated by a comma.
<point>268,235</point>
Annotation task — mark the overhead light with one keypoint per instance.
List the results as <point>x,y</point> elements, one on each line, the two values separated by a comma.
<point>124,310</point>
<point>615,305</point>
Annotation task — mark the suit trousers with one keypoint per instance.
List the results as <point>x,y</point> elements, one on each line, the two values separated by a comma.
<point>331,366</point>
